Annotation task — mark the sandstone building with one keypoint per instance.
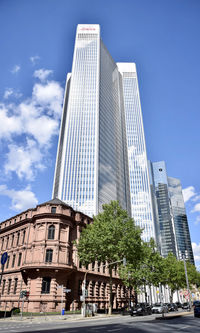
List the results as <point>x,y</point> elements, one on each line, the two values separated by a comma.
<point>42,257</point>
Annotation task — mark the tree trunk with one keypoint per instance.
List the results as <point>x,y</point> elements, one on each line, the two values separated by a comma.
<point>110,298</point>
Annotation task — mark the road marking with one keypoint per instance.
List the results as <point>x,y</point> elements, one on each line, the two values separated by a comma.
<point>115,329</point>
<point>183,327</point>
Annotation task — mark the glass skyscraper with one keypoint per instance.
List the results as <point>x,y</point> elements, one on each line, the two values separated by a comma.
<point>141,202</point>
<point>180,221</point>
<point>101,153</point>
<point>173,230</point>
<point>92,164</point>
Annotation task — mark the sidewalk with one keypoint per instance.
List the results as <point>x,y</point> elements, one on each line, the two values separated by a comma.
<point>68,317</point>
<point>76,317</point>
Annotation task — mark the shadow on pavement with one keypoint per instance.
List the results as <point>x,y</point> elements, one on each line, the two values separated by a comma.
<point>147,326</point>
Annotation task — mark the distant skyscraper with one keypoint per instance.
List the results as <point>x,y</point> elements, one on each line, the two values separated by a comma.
<point>182,233</point>
<point>92,164</point>
<point>166,227</point>
<point>173,230</point>
<point>141,203</point>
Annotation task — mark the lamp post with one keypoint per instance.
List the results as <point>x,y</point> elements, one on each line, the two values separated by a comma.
<point>186,277</point>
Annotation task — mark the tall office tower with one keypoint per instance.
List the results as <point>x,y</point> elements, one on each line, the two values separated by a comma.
<point>182,233</point>
<point>141,203</point>
<point>162,200</point>
<point>92,164</point>
<point>172,219</point>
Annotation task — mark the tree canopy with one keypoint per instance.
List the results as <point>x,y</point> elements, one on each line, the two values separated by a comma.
<point>112,236</point>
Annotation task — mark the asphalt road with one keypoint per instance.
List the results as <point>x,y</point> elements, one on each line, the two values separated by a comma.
<point>117,324</point>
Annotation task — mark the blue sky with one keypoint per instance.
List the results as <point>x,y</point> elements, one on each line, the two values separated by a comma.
<point>37,40</point>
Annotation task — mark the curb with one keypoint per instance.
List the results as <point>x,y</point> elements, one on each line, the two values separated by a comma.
<point>175,315</point>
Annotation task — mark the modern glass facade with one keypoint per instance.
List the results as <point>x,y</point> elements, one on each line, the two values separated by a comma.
<point>92,165</point>
<point>180,221</point>
<point>173,230</point>
<point>166,228</point>
<point>141,202</point>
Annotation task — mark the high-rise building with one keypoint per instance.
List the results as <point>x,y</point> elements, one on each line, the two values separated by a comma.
<point>182,233</point>
<point>166,230</point>
<point>92,164</point>
<point>102,144</point>
<point>141,202</point>
<point>173,229</point>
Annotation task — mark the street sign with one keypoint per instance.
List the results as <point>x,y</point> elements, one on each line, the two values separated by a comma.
<point>4,258</point>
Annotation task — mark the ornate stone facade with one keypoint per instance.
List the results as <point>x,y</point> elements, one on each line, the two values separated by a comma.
<point>42,257</point>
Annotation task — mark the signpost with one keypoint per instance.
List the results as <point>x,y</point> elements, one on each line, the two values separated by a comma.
<point>4,258</point>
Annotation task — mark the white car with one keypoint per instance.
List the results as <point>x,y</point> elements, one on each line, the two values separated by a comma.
<point>159,308</point>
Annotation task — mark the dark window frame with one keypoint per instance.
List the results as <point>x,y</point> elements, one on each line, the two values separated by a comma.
<point>51,232</point>
<point>46,285</point>
<point>49,256</point>
<point>19,259</point>
<point>13,260</point>
<point>53,210</point>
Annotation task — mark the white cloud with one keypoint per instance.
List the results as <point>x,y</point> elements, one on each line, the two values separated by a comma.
<point>8,92</point>
<point>36,120</point>
<point>24,160</point>
<point>197,221</point>
<point>34,59</point>
<point>15,69</point>
<point>42,74</point>
<point>196,251</point>
<point>49,96</point>
<point>21,200</point>
<point>188,193</point>
<point>9,124</point>
<point>196,208</point>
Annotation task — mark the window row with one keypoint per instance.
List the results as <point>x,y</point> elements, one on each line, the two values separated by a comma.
<point>14,260</point>
<point>13,240</point>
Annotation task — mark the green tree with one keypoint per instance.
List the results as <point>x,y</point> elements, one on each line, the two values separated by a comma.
<point>111,237</point>
<point>174,274</point>
<point>149,270</point>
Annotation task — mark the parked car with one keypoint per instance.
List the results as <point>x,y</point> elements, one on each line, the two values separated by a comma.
<point>159,308</point>
<point>141,309</point>
<point>185,306</point>
<point>179,304</point>
<point>172,307</point>
<point>197,310</point>
<point>196,302</point>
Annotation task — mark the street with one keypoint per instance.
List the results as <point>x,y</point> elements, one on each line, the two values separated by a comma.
<point>124,324</point>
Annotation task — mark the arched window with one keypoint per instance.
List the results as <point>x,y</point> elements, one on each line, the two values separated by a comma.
<point>51,232</point>
<point>49,255</point>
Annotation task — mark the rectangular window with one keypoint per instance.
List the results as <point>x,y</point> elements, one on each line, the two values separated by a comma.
<point>46,283</point>
<point>19,259</point>
<point>15,286</point>
<point>7,263</point>
<point>3,287</point>
<point>13,261</point>
<point>18,239</point>
<point>53,210</point>
<point>12,241</point>
<point>24,234</point>
<point>49,255</point>
<point>9,285</point>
